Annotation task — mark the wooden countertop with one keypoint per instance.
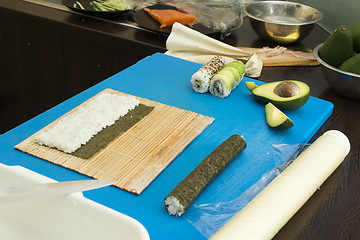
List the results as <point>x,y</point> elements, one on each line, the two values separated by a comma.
<point>332,212</point>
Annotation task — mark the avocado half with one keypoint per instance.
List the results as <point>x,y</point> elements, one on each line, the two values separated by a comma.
<point>276,118</point>
<point>286,95</point>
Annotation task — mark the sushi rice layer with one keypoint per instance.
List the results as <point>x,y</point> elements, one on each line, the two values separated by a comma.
<point>174,206</point>
<point>77,128</point>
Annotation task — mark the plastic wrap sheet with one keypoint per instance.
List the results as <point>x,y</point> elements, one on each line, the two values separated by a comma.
<point>209,218</point>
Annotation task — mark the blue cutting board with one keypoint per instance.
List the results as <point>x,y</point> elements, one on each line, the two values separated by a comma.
<point>166,79</point>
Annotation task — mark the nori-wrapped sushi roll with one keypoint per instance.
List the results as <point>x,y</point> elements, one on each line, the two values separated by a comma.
<point>201,79</point>
<point>227,79</point>
<point>188,189</point>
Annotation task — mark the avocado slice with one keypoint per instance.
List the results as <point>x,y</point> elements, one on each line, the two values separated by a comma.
<point>239,66</point>
<point>286,95</point>
<point>234,71</point>
<point>250,86</point>
<point>276,118</point>
<point>227,76</point>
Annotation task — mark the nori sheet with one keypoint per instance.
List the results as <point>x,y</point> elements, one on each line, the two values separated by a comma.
<point>189,188</point>
<point>105,136</point>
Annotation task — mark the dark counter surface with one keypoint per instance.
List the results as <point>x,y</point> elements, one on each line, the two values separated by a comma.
<point>49,55</point>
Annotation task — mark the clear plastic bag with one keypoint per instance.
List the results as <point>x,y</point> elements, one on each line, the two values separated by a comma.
<point>218,15</point>
<point>209,218</point>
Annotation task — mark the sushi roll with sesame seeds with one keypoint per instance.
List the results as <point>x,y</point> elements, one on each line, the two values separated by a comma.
<point>201,79</point>
<point>227,79</point>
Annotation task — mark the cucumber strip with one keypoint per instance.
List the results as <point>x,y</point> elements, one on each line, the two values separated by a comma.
<point>77,3</point>
<point>112,5</point>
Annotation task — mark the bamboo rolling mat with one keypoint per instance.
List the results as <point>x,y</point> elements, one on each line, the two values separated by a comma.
<point>138,155</point>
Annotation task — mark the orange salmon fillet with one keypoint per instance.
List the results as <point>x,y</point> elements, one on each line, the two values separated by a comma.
<point>167,17</point>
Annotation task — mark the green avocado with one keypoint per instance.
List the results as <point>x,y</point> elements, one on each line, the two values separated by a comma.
<point>250,86</point>
<point>338,47</point>
<point>276,118</point>
<point>351,65</point>
<point>356,37</point>
<point>288,94</point>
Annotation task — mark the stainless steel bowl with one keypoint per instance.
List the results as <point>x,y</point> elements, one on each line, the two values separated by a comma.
<point>345,83</point>
<point>282,22</point>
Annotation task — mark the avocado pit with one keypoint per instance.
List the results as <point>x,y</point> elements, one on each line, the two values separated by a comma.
<point>286,89</point>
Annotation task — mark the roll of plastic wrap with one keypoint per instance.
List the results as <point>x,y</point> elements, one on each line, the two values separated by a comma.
<point>272,208</point>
